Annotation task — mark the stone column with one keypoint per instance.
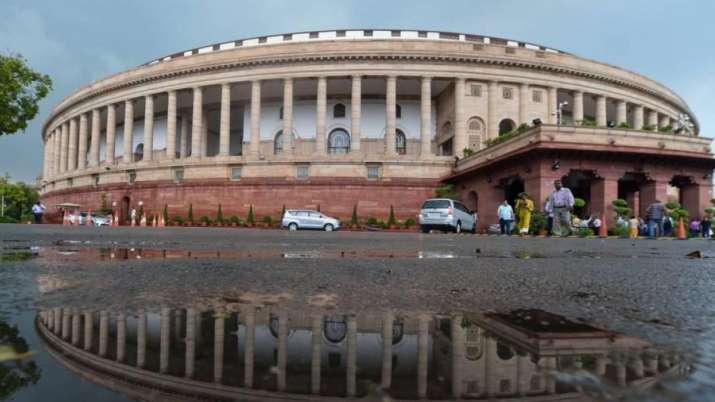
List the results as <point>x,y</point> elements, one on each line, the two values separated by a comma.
<point>638,117</point>
<point>225,121</point>
<point>653,119</point>
<point>638,367</point>
<point>601,111</point>
<point>356,113</point>
<point>190,341</point>
<point>171,125</point>
<point>316,339</point>
<point>460,121</point>
<point>457,355</point>
<point>64,147</point>
<point>282,350</point>
<point>205,135</point>
<point>601,365</point>
<point>111,133</point>
<point>72,163</point>
<point>577,106</point>
<point>249,346</point>
<point>351,371</point>
<point>621,373</point>
<point>321,106</point>
<point>94,139</point>
<point>49,162</point>
<point>141,339</point>
<point>66,317</point>
<point>103,332</point>
<point>390,116</point>
<point>492,97</point>
<point>164,339</point>
<point>197,123</point>
<point>603,191</point>
<point>696,196</point>
<point>523,103</point>
<point>128,131</point>
<point>664,121</point>
<point>550,365</point>
<point>121,336</point>
<point>426,118</point>
<point>553,105</point>
<point>75,328</point>
<point>148,128</point>
<point>254,146</point>
<point>288,116</point>
<point>82,146</point>
<point>88,329</point>
<point>422,355</point>
<point>387,328</point>
<point>621,112</point>
<point>184,148</point>
<point>219,335</point>
<point>522,381</point>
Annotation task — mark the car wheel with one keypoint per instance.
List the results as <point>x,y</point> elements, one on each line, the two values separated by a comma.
<point>425,229</point>
<point>458,228</point>
<point>474,228</point>
<point>328,228</point>
<point>292,227</point>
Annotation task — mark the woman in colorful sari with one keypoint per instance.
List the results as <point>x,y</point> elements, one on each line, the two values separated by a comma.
<point>524,208</point>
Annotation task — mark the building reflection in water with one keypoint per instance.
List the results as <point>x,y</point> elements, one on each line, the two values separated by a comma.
<point>262,353</point>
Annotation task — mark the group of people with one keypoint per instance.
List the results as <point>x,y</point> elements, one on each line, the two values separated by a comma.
<point>558,206</point>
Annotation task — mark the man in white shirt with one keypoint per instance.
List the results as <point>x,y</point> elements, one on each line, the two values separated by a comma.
<point>561,203</point>
<point>38,210</point>
<point>506,217</point>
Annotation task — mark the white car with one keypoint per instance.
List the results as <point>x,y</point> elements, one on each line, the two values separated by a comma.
<point>447,214</point>
<point>97,220</point>
<point>295,219</point>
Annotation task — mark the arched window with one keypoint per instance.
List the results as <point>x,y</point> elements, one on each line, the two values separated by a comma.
<point>506,126</point>
<point>339,111</point>
<point>278,143</point>
<point>280,113</point>
<point>338,141</point>
<point>475,132</point>
<point>400,142</point>
<point>398,111</point>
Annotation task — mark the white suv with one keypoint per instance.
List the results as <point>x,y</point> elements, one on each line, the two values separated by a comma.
<point>446,214</point>
<point>295,219</point>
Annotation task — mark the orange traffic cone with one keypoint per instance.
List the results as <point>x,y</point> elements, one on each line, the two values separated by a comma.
<point>603,230</point>
<point>65,218</point>
<point>681,230</point>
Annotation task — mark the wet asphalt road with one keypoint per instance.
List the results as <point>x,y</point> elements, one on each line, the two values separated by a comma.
<point>644,288</point>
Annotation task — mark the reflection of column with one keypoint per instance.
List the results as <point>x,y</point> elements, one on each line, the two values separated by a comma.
<point>219,333</point>
<point>426,118</point>
<point>621,373</point>
<point>88,324</point>
<point>141,339</point>
<point>66,319</point>
<point>490,345</point>
<point>121,336</point>
<point>190,342</point>
<point>638,367</point>
<point>601,364</point>
<point>422,355</point>
<point>128,131</point>
<point>225,121</point>
<point>58,321</point>
<point>111,132</point>
<point>550,366</point>
<point>282,349</point>
<point>255,118</point>
<point>288,116</point>
<point>171,125</point>
<point>321,110</point>
<point>460,121</point>
<point>522,380</point>
<point>577,106</point>
<point>250,341</point>
<point>390,115</point>
<point>387,323</point>
<point>103,332</point>
<point>356,113</point>
<point>75,328</point>
<point>352,356</point>
<point>164,340</point>
<point>651,364</point>
<point>315,354</point>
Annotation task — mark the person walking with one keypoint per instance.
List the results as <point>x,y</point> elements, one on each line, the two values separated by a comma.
<point>38,210</point>
<point>561,203</point>
<point>549,216</point>
<point>506,217</point>
<point>655,213</point>
<point>705,226</point>
<point>633,227</point>
<point>524,208</point>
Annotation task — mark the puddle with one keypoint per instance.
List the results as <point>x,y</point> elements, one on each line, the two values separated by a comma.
<point>264,352</point>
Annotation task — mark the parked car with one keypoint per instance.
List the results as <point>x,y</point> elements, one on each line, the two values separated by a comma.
<point>446,214</point>
<point>295,219</point>
<point>97,220</point>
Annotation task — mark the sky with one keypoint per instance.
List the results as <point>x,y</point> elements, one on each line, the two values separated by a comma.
<point>80,41</point>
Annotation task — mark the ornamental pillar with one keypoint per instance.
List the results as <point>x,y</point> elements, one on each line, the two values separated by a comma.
<point>66,316</point>
<point>49,162</point>
<point>390,116</point>
<point>288,116</point>
<point>457,355</point>
<point>577,106</point>
<point>58,146</point>
<point>249,347</point>
<point>351,371</point>
<point>664,121</point>
<point>553,105</point>
<point>460,121</point>
<point>356,113</point>
<point>171,126</point>
<point>103,332</point>
<point>164,340</point>
<point>282,350</point>
<point>621,112</point>
<point>219,337</point>
<point>653,119</point>
<point>387,328</point>
<point>601,111</point>
<point>254,146</point>
<point>184,146</point>
<point>121,336</point>
<point>523,103</point>
<point>426,118</point>
<point>72,163</point>
<point>128,131</point>
<point>321,106</point>
<point>58,321</point>
<point>205,134</point>
<point>82,146</point>
<point>148,128</point>
<point>196,123</point>
<point>141,339</point>
<point>316,340</point>
<point>225,121</point>
<point>88,328</point>
<point>190,341</point>
<point>94,140</point>
<point>638,117</point>
<point>75,327</point>
<point>422,355</point>
<point>64,150</point>
<point>111,133</point>
<point>492,123</point>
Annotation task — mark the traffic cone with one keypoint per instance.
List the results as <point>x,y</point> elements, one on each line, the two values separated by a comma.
<point>88,221</point>
<point>142,222</point>
<point>681,230</point>
<point>161,221</point>
<point>65,218</point>
<point>603,230</point>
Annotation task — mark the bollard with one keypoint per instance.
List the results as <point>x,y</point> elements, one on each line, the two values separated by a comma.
<point>603,230</point>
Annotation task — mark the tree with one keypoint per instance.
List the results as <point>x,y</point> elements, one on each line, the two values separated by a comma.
<point>21,89</point>
<point>166,214</point>
<point>354,218</point>
<point>191,214</point>
<point>250,219</point>
<point>219,215</point>
<point>621,207</point>
<point>391,220</point>
<point>19,198</point>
